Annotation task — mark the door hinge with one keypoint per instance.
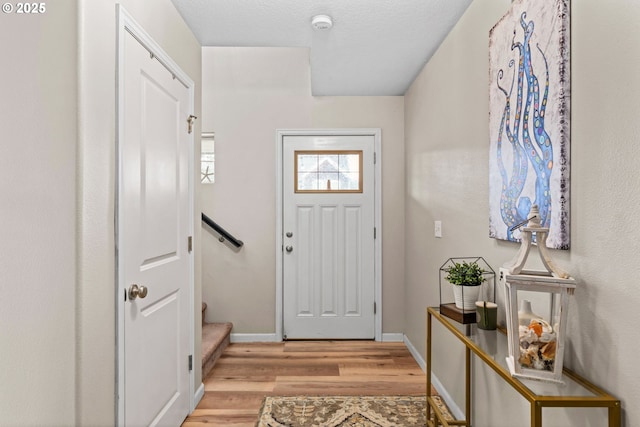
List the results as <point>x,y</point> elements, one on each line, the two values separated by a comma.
<point>375,308</point>
<point>375,232</point>
<point>375,157</point>
<point>190,244</point>
<point>191,362</point>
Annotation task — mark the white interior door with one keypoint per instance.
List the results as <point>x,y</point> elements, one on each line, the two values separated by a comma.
<point>153,228</point>
<point>328,237</point>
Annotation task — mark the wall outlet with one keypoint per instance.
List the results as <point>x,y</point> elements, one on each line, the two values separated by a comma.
<point>437,228</point>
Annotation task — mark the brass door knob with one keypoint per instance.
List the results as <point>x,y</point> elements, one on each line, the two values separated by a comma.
<point>136,291</point>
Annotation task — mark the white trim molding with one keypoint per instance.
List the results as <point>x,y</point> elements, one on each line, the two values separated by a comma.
<point>392,337</point>
<point>198,395</point>
<point>255,338</point>
<point>442,391</point>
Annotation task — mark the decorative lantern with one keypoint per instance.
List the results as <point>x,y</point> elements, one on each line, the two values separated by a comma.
<point>537,304</point>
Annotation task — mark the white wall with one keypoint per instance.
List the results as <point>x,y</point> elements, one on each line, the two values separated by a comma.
<point>96,178</point>
<point>248,93</point>
<point>37,216</point>
<point>446,128</point>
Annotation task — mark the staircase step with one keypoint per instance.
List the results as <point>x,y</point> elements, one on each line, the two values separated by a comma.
<point>204,308</point>
<point>215,338</point>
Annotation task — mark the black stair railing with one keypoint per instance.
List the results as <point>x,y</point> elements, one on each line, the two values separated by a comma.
<point>224,234</point>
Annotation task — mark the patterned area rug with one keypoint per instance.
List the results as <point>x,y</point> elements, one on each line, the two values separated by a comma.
<point>343,411</point>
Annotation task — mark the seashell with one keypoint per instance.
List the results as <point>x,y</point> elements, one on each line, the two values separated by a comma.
<point>548,351</point>
<point>529,357</point>
<point>548,337</point>
<point>539,326</point>
<point>538,364</point>
<point>528,335</point>
<point>536,327</point>
<point>525,360</point>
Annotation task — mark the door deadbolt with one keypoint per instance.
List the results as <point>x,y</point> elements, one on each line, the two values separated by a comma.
<point>136,291</point>
<point>289,234</point>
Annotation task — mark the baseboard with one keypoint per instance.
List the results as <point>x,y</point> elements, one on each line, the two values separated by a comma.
<point>254,338</point>
<point>442,391</point>
<point>415,353</point>
<point>455,410</point>
<point>392,337</point>
<point>239,337</point>
<point>198,396</point>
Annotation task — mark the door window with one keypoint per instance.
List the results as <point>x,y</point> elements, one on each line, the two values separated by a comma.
<point>328,171</point>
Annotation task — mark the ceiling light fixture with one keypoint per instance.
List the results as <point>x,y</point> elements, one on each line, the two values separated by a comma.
<point>321,22</point>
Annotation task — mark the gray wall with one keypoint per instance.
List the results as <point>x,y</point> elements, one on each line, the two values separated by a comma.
<point>37,216</point>
<point>248,93</point>
<point>446,129</point>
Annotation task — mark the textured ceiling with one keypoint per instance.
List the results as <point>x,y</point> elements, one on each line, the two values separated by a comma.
<point>376,47</point>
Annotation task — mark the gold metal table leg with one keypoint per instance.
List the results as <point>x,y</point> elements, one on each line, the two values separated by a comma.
<point>428,363</point>
<point>467,403</point>
<point>614,415</point>
<point>536,414</point>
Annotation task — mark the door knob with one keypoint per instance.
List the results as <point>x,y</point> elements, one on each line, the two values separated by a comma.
<point>136,291</point>
<point>289,248</point>
<point>289,234</point>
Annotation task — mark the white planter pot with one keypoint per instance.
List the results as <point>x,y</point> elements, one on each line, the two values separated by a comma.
<point>466,298</point>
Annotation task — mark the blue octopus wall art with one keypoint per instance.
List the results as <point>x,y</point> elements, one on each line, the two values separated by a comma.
<point>529,128</point>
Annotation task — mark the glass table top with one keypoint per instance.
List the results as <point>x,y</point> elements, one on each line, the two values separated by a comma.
<point>493,345</point>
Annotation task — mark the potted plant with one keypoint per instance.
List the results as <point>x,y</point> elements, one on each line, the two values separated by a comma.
<point>466,278</point>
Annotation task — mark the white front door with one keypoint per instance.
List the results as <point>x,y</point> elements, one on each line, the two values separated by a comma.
<point>153,228</point>
<point>328,236</point>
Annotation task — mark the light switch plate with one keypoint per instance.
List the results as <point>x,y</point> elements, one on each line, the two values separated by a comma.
<point>437,228</point>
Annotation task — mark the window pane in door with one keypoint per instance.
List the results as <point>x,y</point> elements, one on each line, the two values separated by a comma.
<point>307,163</point>
<point>325,171</point>
<point>328,163</point>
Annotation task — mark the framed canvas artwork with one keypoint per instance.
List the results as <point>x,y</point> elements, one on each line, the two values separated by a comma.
<point>529,106</point>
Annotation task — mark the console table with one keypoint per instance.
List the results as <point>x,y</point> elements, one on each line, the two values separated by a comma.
<point>576,392</point>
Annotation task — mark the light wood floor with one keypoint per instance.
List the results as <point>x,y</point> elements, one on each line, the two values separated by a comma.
<point>246,373</point>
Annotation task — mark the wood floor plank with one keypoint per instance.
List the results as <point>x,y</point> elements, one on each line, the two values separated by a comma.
<point>300,357</point>
<point>350,385</point>
<point>238,348</point>
<point>284,368</point>
<point>240,385</point>
<point>237,400</point>
<point>247,372</point>
<point>379,368</point>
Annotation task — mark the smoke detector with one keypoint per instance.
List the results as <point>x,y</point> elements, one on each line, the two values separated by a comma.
<point>321,22</point>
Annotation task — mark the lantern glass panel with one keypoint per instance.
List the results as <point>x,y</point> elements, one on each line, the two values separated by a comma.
<point>538,330</point>
<point>536,324</point>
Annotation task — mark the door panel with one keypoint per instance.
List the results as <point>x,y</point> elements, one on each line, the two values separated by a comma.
<point>328,261</point>
<point>353,261</point>
<point>159,192</point>
<point>153,225</point>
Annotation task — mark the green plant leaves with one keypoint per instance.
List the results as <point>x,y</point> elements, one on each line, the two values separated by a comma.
<point>465,274</point>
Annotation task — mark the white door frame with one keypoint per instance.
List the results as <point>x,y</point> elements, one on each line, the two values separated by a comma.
<point>376,133</point>
<point>126,24</point>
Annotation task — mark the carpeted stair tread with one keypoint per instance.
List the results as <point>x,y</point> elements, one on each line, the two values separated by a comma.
<point>215,338</point>
<point>204,308</point>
